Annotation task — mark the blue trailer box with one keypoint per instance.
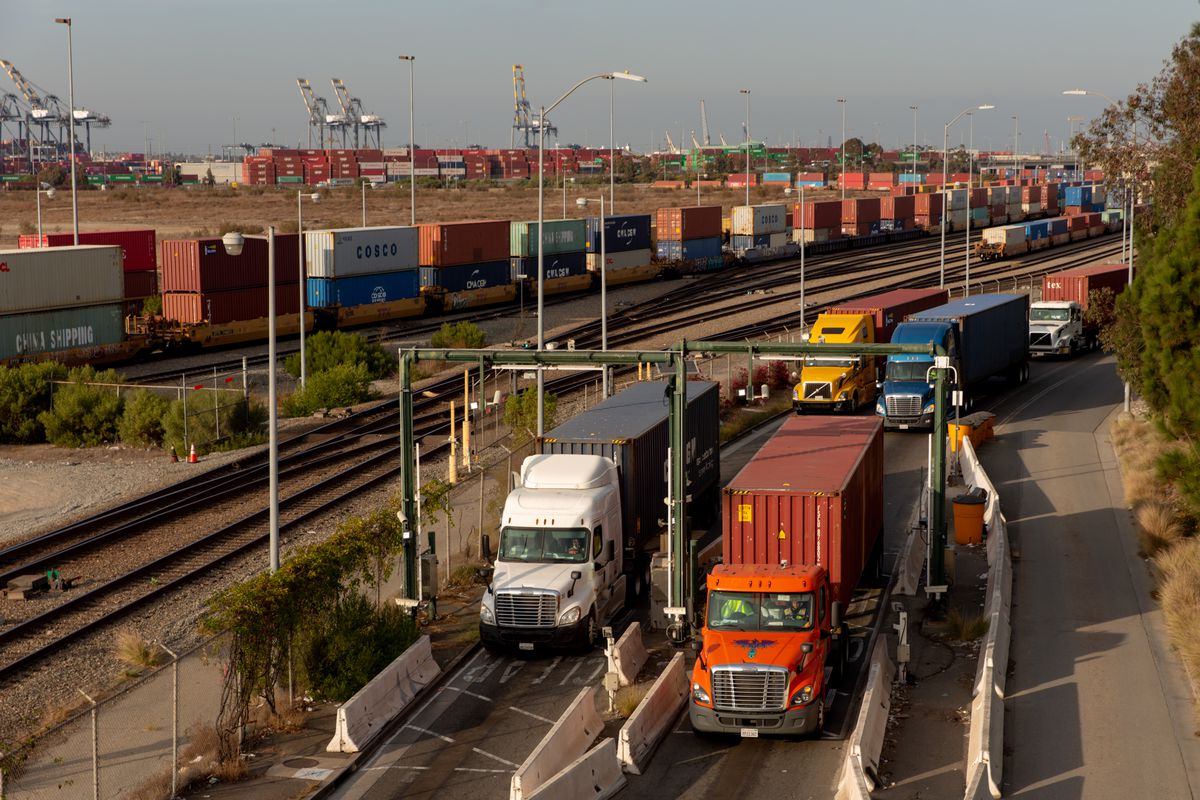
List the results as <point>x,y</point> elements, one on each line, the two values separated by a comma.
<point>564,265</point>
<point>622,233</point>
<point>361,290</point>
<point>691,249</point>
<point>465,277</point>
<point>993,332</point>
<point>739,242</point>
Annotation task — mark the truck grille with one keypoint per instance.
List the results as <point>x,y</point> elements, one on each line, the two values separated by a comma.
<point>818,391</point>
<point>903,405</point>
<point>744,687</point>
<point>526,609</point>
<point>1039,340</point>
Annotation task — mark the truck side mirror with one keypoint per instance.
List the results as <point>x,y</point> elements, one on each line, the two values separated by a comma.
<point>575,575</point>
<point>806,648</point>
<point>485,545</point>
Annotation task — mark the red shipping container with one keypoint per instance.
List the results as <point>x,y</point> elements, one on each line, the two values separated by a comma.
<point>684,223</point>
<point>447,244</point>
<point>231,306</point>
<point>1072,211</point>
<point>882,177</point>
<point>960,177</point>
<point>934,178</point>
<point>997,211</point>
<point>1031,194</point>
<point>141,284</point>
<point>813,494</point>
<point>898,207</point>
<point>1078,222</point>
<point>137,246</point>
<point>890,308</point>
<point>979,198</point>
<point>1078,284</point>
<point>861,211</point>
<point>202,265</point>
<point>818,214</point>
<point>929,203</point>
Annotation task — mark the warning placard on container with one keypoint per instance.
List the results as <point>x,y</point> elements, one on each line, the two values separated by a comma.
<point>745,513</point>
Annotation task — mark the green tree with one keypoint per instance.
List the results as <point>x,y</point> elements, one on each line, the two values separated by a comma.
<point>328,349</point>
<point>214,421</point>
<point>24,393</point>
<point>464,334</point>
<point>520,413</point>
<point>142,420</point>
<point>209,180</point>
<point>337,387</point>
<point>84,414</point>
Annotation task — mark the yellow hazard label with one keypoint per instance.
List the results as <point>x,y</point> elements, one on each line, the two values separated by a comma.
<point>782,533</point>
<point>745,513</point>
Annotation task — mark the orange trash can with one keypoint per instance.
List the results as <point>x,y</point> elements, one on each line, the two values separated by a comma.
<point>968,516</point>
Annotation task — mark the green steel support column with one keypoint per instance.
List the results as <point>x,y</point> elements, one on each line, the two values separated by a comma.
<point>937,495</point>
<point>482,404</point>
<point>408,487</point>
<point>749,375</point>
<point>678,422</point>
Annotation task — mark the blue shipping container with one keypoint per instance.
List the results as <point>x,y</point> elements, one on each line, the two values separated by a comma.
<point>1037,230</point>
<point>739,242</point>
<point>1058,225</point>
<point>908,177</point>
<point>691,249</point>
<point>622,233</point>
<point>776,177</point>
<point>468,276</point>
<point>361,290</point>
<point>564,265</point>
<point>810,184</point>
<point>1079,195</point>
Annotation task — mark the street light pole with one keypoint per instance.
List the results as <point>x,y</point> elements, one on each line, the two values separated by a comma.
<point>1016,129</point>
<point>49,192</point>
<point>583,201</point>
<point>612,170</point>
<point>970,184</point>
<point>842,101</point>
<point>71,124</point>
<point>412,151</point>
<point>747,93</point>
<point>945,193</point>
<point>303,283</point>
<point>914,150</point>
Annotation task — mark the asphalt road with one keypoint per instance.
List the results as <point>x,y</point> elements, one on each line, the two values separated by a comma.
<point>1097,707</point>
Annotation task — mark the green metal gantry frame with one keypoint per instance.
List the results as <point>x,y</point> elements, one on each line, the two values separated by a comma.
<point>673,362</point>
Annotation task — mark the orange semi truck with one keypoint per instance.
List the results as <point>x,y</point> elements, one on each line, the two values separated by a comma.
<point>801,523</point>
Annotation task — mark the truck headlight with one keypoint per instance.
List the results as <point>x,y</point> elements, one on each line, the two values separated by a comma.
<point>569,617</point>
<point>796,393</point>
<point>928,408</point>
<point>699,695</point>
<point>842,395</point>
<point>485,614</point>
<point>804,696</point>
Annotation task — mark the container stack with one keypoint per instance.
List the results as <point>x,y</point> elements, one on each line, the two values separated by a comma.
<point>626,243</point>
<point>852,180</point>
<point>817,221</point>
<point>897,213</point>
<point>564,244</point>
<point>810,180</point>
<point>60,298</point>
<point>928,210</point>
<point>137,255</point>
<point>350,267</point>
<point>689,233</point>
<point>1013,204</point>
<point>758,226</point>
<point>956,209</point>
<point>860,217</point>
<point>464,256</point>
<point>202,283</point>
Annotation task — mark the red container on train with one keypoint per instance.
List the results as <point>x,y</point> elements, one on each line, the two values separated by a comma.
<point>684,223</point>
<point>448,244</point>
<point>234,305</point>
<point>890,308</point>
<point>141,284</point>
<point>818,214</point>
<point>1077,284</point>
<point>203,265</point>
<point>137,246</point>
<point>900,207</point>
<point>862,211</point>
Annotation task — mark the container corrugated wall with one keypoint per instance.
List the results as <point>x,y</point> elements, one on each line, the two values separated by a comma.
<point>465,277</point>
<point>447,244</point>
<point>346,252</point>
<point>890,308</point>
<point>688,222</point>
<point>60,277</point>
<point>138,247</point>
<point>619,261</point>
<point>621,233</point>
<point>202,265</point>
<point>229,306</point>
<point>63,329</point>
<point>1077,284</point>
<point>758,220</point>
<point>558,235</point>
<point>361,290</point>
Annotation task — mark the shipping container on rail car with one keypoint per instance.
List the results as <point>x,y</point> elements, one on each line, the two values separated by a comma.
<point>890,308</point>
<point>758,220</point>
<point>683,223</point>
<point>141,284</point>
<point>345,252</point>
<point>563,265</point>
<point>817,214</point>
<point>202,265</point>
<point>232,305</point>
<point>26,335</point>
<point>689,249</point>
<point>622,233</point>
<point>361,290</point>
<point>452,244</point>
<point>466,277</point>
<point>897,208</point>
<point>137,246</point>
<point>860,211</point>
<point>60,277</point>
<point>558,235</point>
<point>618,262</point>
<point>812,495</point>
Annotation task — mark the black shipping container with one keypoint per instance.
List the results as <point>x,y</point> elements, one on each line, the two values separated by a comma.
<point>622,233</point>
<point>565,265</point>
<point>466,277</point>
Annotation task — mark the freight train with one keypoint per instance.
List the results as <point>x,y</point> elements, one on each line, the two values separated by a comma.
<point>351,277</point>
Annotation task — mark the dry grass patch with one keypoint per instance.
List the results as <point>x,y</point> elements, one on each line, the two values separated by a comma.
<point>628,699</point>
<point>1158,527</point>
<point>134,650</point>
<point>1179,592</point>
<point>156,787</point>
<point>966,626</point>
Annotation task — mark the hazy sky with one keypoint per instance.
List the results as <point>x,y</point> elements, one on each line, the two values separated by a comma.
<point>185,71</point>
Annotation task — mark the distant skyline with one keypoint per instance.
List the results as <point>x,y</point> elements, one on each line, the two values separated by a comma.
<point>188,75</point>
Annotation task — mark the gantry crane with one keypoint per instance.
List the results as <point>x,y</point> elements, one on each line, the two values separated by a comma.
<point>523,120</point>
<point>319,117</point>
<point>704,125</point>
<point>51,116</point>
<point>358,117</point>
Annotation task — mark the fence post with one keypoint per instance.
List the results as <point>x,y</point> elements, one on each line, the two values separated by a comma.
<point>95,748</point>
<point>482,483</point>
<point>183,391</point>
<point>245,380</point>
<point>174,719</point>
<point>216,405</point>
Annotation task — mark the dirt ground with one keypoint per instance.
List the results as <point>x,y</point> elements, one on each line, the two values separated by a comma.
<point>182,213</point>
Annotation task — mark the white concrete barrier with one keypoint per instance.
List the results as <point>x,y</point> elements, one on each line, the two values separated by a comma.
<point>628,655</point>
<point>364,714</point>
<point>653,717</point>
<point>861,768</point>
<point>911,559</point>
<point>567,740</point>
<point>595,775</point>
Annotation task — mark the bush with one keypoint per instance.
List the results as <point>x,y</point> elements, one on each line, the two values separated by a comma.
<point>24,392</point>
<point>82,414</point>
<point>342,385</point>
<point>520,413</point>
<point>152,305</point>
<point>350,647</point>
<point>463,334</point>
<point>241,422</point>
<point>325,350</point>
<point>142,421</point>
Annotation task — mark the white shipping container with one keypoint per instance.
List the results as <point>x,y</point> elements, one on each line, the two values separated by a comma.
<point>396,151</point>
<point>779,239</point>
<point>616,261</point>
<point>958,199</point>
<point>222,171</point>
<point>758,220</point>
<point>1008,235</point>
<point>957,217</point>
<point>1031,208</point>
<point>60,277</point>
<point>361,251</point>
<point>454,172</point>
<point>398,167</point>
<point>810,235</point>
<point>371,164</point>
<point>428,172</point>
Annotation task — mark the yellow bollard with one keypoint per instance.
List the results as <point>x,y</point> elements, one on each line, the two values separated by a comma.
<point>466,450</point>
<point>453,476</point>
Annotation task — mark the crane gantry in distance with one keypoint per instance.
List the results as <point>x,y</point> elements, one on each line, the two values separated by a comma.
<point>44,123</point>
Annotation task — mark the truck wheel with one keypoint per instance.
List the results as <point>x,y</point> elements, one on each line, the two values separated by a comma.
<point>820,717</point>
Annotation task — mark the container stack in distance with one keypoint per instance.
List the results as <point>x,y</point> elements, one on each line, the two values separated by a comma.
<point>61,299</point>
<point>758,226</point>
<point>464,256</point>
<point>626,243</point>
<point>350,267</point>
<point>689,233</point>
<point>563,241</point>
<point>202,283</point>
<point>138,251</point>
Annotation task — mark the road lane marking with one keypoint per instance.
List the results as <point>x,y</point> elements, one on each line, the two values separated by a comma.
<point>596,672</point>
<point>497,758</point>
<point>546,673</point>
<point>574,669</point>
<point>428,732</point>
<point>393,766</point>
<point>480,769</point>
<point>538,717</point>
<point>468,692</point>
<point>510,670</point>
<point>468,669</point>
<point>487,671</point>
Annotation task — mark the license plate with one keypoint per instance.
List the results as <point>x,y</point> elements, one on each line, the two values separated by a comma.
<point>525,645</point>
<point>902,426</point>
<point>749,733</point>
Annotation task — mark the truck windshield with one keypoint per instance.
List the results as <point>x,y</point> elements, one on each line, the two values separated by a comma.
<point>543,545</point>
<point>1050,314</point>
<point>906,370</point>
<point>760,611</point>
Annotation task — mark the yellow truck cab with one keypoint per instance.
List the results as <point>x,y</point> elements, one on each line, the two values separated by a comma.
<point>837,383</point>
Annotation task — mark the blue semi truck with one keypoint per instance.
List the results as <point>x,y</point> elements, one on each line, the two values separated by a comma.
<point>985,336</point>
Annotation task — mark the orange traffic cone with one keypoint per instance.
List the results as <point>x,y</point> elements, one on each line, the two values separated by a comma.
<point>192,455</point>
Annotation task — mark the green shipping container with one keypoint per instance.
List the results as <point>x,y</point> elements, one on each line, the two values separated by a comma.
<point>290,179</point>
<point>10,178</point>
<point>560,236</point>
<point>96,179</point>
<point>152,178</point>
<point>122,178</point>
<point>22,335</point>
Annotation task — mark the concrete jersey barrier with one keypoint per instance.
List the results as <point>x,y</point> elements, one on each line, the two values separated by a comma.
<point>653,717</point>
<point>628,655</point>
<point>387,694</point>
<point>861,770</point>
<point>595,775</point>
<point>567,740</point>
